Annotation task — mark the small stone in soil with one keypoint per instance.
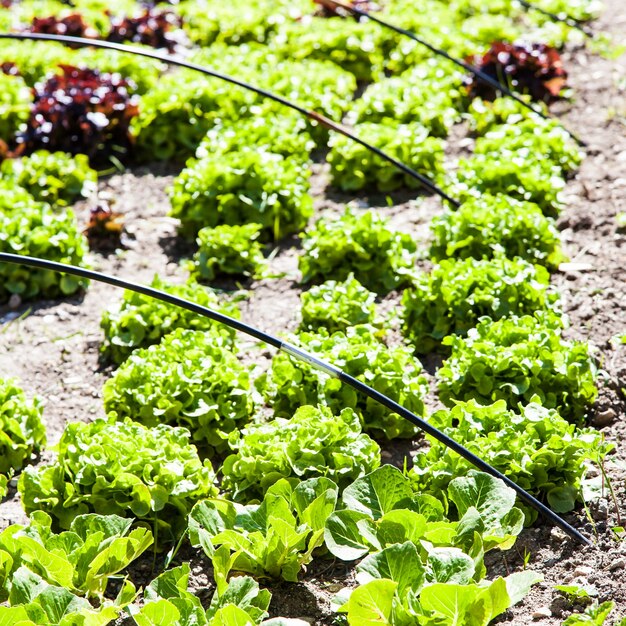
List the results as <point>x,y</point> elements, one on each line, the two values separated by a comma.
<point>15,301</point>
<point>619,564</point>
<point>542,612</point>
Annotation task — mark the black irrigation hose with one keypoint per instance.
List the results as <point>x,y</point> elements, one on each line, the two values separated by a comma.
<point>480,75</point>
<point>302,355</point>
<point>558,17</point>
<point>173,60</point>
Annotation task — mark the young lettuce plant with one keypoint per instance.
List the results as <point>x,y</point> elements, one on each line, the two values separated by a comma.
<point>456,294</point>
<point>359,352</point>
<point>274,539</point>
<point>241,187</point>
<point>35,229</point>
<point>354,167</point>
<point>516,172</point>
<point>489,226</point>
<point>287,135</point>
<point>121,468</point>
<point>420,563</point>
<point>428,94</point>
<point>34,602</point>
<point>21,427</point>
<point>519,359</point>
<point>337,305</point>
<point>139,322</point>
<point>189,380</point>
<point>362,244</point>
<point>228,251</point>
<point>15,102</point>
<point>535,447</point>
<point>313,443</point>
<point>81,559</point>
<point>53,177</point>
<point>167,601</point>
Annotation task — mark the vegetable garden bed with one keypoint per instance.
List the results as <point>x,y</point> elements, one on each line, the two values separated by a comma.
<point>55,346</point>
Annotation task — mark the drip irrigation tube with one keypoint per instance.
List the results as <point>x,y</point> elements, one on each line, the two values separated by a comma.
<point>173,60</point>
<point>480,75</point>
<point>558,17</point>
<point>311,359</point>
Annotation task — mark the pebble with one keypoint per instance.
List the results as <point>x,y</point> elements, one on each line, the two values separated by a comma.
<point>15,301</point>
<point>618,564</point>
<point>542,612</point>
<point>603,418</point>
<point>583,570</point>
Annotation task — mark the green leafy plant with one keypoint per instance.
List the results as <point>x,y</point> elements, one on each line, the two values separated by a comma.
<point>352,46</point>
<point>139,321</point>
<point>360,353</point>
<point>53,177</point>
<point>36,230</point>
<point>37,603</point>
<point>336,305</point>
<point>534,447</point>
<point>455,294</point>
<point>491,225</point>
<point>15,101</point>
<point>483,115</point>
<point>420,562</point>
<point>81,559</point>
<point>383,509</point>
<point>595,615</point>
<point>268,131</point>
<point>354,167</point>
<point>121,468</point>
<point>428,94</point>
<point>168,601</point>
<point>275,538</point>
<point>188,380</point>
<point>519,173</point>
<point>536,135</point>
<point>228,250</point>
<point>242,187</point>
<point>177,113</point>
<point>517,359</point>
<point>313,443</point>
<point>360,243</point>
<point>22,432</point>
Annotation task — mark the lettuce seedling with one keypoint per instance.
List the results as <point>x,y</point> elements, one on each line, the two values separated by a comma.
<point>337,305</point>
<point>168,601</point>
<point>517,172</point>
<point>15,103</point>
<point>518,359</point>
<point>494,225</point>
<point>121,468</point>
<point>243,187</point>
<point>139,321</point>
<point>22,432</point>
<point>274,539</point>
<point>428,94</point>
<point>53,177</point>
<point>35,229</point>
<point>313,443</point>
<point>82,559</point>
<point>360,353</point>
<point>383,508</point>
<point>535,447</point>
<point>34,602</point>
<point>228,251</point>
<point>189,380</point>
<point>456,294</point>
<point>362,244</point>
<point>354,167</point>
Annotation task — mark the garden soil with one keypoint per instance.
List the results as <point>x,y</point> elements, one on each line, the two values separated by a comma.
<point>53,347</point>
